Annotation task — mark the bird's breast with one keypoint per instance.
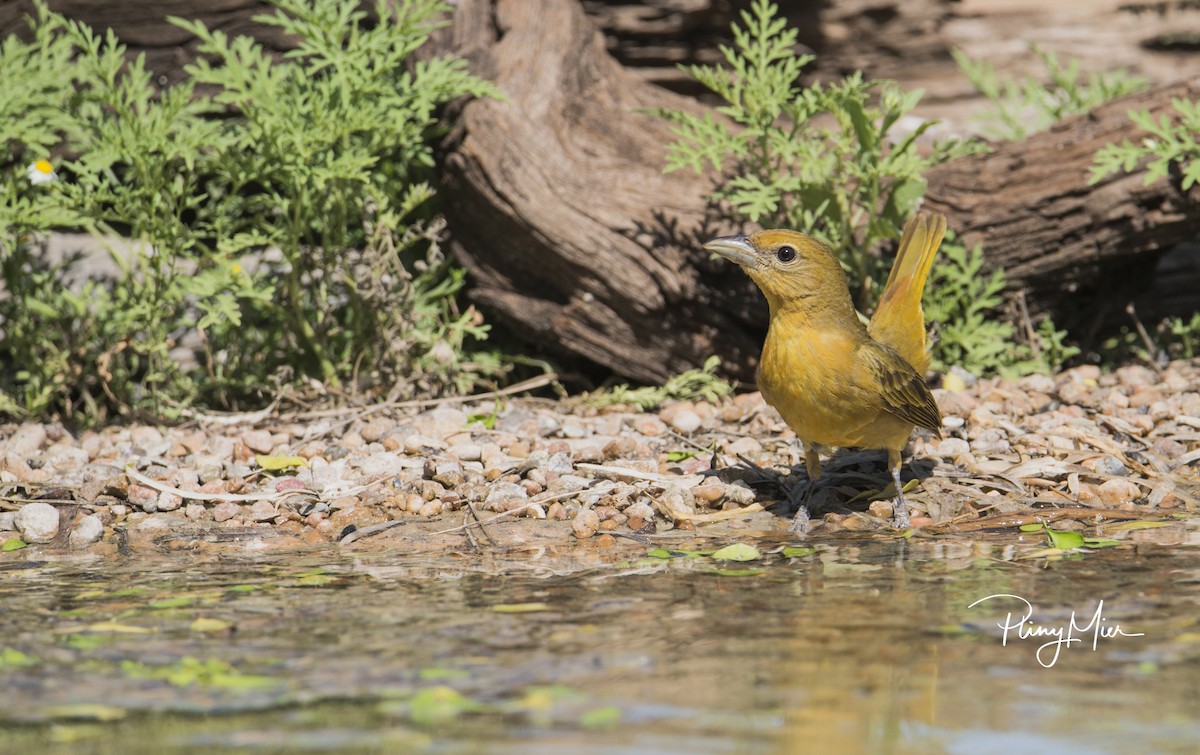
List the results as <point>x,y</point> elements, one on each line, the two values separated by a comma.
<point>810,375</point>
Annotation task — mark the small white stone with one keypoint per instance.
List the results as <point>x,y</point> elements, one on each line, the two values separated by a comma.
<point>686,422</point>
<point>88,530</point>
<point>37,522</point>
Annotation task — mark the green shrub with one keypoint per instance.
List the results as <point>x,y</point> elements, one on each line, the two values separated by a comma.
<point>966,304</point>
<point>1027,105</point>
<point>819,159</point>
<point>1171,141</point>
<point>281,213</point>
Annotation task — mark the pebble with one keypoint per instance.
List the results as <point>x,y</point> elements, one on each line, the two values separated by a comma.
<point>686,422</point>
<point>950,448</point>
<point>1118,490</point>
<point>258,441</point>
<point>1106,465</point>
<point>87,531</point>
<point>6,521</point>
<point>37,522</point>
<point>225,510</point>
<point>560,463</point>
<point>448,472</point>
<point>142,495</point>
<point>168,502</point>
<point>263,511</point>
<point>505,492</point>
<point>585,524</point>
<point>740,492</point>
<point>375,429</point>
<point>648,425</point>
<point>747,447</point>
<point>27,440</point>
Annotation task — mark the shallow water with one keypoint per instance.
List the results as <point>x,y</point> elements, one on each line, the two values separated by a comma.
<point>866,645</point>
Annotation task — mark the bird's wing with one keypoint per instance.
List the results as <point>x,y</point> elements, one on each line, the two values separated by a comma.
<point>903,391</point>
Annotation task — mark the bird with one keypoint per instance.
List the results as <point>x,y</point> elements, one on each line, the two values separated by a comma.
<point>835,379</point>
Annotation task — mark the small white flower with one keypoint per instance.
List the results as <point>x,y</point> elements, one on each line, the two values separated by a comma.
<point>41,172</point>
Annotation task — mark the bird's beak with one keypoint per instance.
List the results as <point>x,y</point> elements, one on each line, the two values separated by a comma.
<point>735,249</point>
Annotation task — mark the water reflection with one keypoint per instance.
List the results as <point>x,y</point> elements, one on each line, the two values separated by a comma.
<point>867,645</point>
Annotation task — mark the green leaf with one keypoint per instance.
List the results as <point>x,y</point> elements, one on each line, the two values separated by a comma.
<point>439,705</point>
<point>1065,540</point>
<point>792,551</point>
<point>13,544</point>
<point>276,463</point>
<point>1140,524</point>
<point>737,552</point>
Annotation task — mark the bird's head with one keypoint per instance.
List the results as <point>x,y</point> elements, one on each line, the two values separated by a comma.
<point>788,266</point>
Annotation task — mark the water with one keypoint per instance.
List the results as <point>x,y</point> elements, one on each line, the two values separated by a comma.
<point>867,645</point>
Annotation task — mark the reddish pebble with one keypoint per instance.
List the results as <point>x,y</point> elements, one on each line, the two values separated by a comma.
<point>225,510</point>
<point>606,541</point>
<point>242,452</point>
<point>290,483</point>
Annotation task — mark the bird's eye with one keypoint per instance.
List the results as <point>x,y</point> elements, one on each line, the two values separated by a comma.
<point>785,254</point>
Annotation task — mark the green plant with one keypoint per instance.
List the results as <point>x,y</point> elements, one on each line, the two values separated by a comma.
<point>824,159</point>
<point>1184,336</point>
<point>1171,140</point>
<point>702,384</point>
<point>965,302</point>
<point>279,217</point>
<point>1027,105</point>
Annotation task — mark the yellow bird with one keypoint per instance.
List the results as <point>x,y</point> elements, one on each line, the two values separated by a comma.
<point>836,381</point>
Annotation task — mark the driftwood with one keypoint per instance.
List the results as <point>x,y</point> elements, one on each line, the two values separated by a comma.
<point>560,207</point>
<point>1081,252</point>
<point>574,235</point>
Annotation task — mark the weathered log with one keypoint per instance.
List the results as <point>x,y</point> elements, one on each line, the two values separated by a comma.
<point>1082,252</point>
<point>142,25</point>
<point>560,208</point>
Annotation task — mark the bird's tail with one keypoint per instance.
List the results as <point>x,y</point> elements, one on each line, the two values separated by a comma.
<point>898,320</point>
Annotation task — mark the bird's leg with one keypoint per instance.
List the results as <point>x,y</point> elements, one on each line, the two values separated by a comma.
<point>901,508</point>
<point>812,463</point>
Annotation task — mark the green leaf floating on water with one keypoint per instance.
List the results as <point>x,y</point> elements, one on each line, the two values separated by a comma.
<point>441,704</point>
<point>13,544</point>
<point>737,552</point>
<point>1140,524</point>
<point>13,658</point>
<point>1064,539</point>
<point>1069,541</point>
<point>664,553</point>
<point>793,551</point>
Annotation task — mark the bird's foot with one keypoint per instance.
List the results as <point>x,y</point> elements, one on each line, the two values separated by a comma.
<point>799,523</point>
<point>900,511</point>
<point>798,496</point>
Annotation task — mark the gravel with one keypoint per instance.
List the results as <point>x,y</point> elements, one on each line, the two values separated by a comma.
<point>1123,441</point>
